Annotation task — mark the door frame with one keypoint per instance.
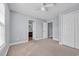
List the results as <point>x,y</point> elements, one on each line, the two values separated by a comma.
<point>51,30</point>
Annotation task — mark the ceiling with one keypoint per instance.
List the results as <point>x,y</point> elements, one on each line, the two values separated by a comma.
<point>33,9</point>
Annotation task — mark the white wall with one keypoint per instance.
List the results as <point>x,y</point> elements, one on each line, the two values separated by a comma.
<point>4,50</point>
<point>56,28</point>
<point>34,30</point>
<point>45,30</point>
<point>18,27</point>
<point>39,29</point>
<point>60,29</point>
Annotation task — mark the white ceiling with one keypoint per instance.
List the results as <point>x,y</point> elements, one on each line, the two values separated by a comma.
<point>32,9</point>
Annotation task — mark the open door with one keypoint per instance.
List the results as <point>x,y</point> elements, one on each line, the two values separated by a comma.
<point>50,30</point>
<point>30,36</point>
<point>30,33</point>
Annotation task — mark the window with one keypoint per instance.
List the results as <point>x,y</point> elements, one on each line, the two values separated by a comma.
<point>2,25</point>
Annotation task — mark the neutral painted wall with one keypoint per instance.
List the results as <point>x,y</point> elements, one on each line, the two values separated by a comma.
<point>39,29</point>
<point>18,27</point>
<point>5,47</point>
<point>45,30</point>
<point>56,28</point>
<point>60,29</point>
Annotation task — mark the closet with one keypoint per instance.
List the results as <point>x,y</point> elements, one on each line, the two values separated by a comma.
<point>70,29</point>
<point>77,30</point>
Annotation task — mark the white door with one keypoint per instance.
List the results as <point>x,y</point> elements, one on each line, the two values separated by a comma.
<point>45,30</point>
<point>68,30</point>
<point>77,30</point>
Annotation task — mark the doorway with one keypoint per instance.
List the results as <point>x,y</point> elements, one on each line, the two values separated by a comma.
<point>50,30</point>
<point>30,33</point>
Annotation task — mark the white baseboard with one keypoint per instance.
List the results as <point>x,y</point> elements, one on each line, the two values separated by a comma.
<point>7,50</point>
<point>38,39</point>
<point>18,42</point>
<point>60,43</point>
<point>55,39</point>
<point>4,49</point>
<point>45,38</point>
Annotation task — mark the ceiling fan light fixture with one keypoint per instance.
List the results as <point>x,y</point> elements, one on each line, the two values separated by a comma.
<point>43,8</point>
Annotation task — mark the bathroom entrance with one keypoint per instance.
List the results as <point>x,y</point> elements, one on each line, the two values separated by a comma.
<point>30,32</point>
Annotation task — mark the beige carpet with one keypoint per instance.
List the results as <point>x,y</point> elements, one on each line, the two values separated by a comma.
<point>46,47</point>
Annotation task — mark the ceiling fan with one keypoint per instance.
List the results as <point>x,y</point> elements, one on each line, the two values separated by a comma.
<point>48,4</point>
<point>45,6</point>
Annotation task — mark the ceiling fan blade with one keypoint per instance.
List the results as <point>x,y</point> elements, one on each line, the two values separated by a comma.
<point>45,6</point>
<point>48,4</point>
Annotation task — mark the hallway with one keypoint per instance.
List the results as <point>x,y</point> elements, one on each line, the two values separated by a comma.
<point>46,47</point>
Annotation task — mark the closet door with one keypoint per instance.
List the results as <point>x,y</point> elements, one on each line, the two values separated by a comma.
<point>45,30</point>
<point>68,30</point>
<point>77,30</point>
